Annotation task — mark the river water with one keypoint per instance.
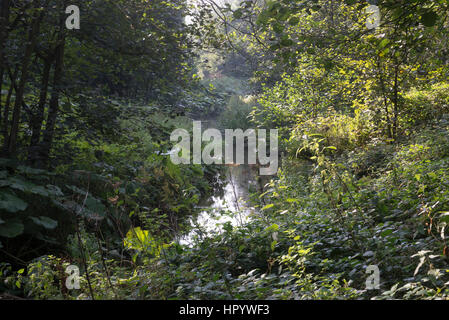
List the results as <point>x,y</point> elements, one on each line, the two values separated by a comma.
<point>230,202</point>
<point>229,205</point>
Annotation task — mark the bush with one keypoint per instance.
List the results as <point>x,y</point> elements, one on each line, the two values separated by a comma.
<point>420,106</point>
<point>236,114</point>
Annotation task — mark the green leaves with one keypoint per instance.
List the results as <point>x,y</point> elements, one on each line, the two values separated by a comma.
<point>238,14</point>
<point>11,203</point>
<point>444,217</point>
<point>141,240</point>
<point>21,184</point>
<point>293,21</point>
<point>286,42</point>
<point>45,222</point>
<point>278,28</point>
<point>429,19</point>
<point>11,229</point>
<point>274,227</point>
<point>92,207</point>
<point>268,206</point>
<point>384,43</point>
<point>386,232</point>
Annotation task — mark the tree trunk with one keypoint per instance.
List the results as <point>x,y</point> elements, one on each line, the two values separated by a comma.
<point>13,78</point>
<point>37,117</point>
<point>10,146</point>
<point>385,96</point>
<point>396,101</point>
<point>4,22</point>
<point>54,103</point>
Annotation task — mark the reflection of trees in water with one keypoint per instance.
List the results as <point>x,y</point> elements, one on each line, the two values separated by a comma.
<point>235,184</point>
<point>229,203</point>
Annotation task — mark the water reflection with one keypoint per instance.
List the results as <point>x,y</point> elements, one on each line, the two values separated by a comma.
<point>230,205</point>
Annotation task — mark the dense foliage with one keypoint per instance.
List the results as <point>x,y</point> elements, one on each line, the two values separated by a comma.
<point>86,177</point>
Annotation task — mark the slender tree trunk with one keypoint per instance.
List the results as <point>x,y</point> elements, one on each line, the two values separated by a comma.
<point>13,78</point>
<point>1,92</point>
<point>54,102</point>
<point>48,135</point>
<point>4,22</point>
<point>11,144</point>
<point>37,117</point>
<point>385,95</point>
<point>396,101</point>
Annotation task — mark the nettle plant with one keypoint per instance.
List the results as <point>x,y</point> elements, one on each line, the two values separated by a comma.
<point>22,191</point>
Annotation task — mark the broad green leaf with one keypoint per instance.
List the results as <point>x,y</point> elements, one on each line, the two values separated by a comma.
<point>45,222</point>
<point>273,227</point>
<point>30,171</point>
<point>386,232</point>
<point>54,190</point>
<point>11,229</point>
<point>20,184</point>
<point>40,191</point>
<point>11,203</point>
<point>268,206</point>
<point>141,240</point>
<point>384,43</point>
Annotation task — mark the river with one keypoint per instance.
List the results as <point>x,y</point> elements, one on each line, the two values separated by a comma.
<point>230,202</point>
